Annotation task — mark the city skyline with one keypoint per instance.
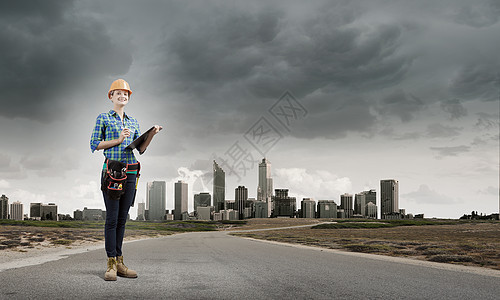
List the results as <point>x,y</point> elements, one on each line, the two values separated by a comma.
<point>386,203</point>
<point>336,94</point>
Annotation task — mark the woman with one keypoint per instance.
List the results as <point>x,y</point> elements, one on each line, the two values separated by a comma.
<point>113,132</point>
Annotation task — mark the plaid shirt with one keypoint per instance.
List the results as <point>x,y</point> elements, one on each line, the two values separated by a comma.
<point>108,126</point>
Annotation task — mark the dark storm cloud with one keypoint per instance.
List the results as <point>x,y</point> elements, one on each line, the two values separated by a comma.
<point>442,131</point>
<point>478,81</point>
<point>269,51</point>
<point>47,49</point>
<point>488,121</point>
<point>242,59</point>
<point>479,13</point>
<point>401,104</point>
<point>454,107</point>
<point>9,168</point>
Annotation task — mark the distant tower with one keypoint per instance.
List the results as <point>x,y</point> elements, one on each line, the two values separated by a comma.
<point>389,197</point>
<point>219,188</point>
<point>4,207</point>
<point>265,188</point>
<point>202,200</point>
<point>284,205</point>
<point>240,199</point>
<point>361,201</point>
<point>156,200</point>
<point>308,208</point>
<point>16,211</point>
<point>346,204</point>
<point>181,199</point>
<point>141,211</point>
<point>36,211</point>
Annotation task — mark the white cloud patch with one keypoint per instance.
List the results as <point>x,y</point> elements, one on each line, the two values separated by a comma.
<point>425,195</point>
<point>87,193</point>
<point>490,191</point>
<point>27,197</point>
<point>4,184</point>
<point>318,184</point>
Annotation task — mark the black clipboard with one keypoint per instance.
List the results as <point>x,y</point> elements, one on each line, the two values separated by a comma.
<point>138,141</point>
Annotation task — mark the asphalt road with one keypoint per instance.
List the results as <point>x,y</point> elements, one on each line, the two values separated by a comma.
<point>214,265</point>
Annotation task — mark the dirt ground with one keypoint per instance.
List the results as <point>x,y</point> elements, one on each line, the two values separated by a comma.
<point>26,238</point>
<point>476,244</point>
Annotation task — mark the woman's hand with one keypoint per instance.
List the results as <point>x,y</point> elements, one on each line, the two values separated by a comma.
<point>146,143</point>
<point>157,129</point>
<point>124,134</point>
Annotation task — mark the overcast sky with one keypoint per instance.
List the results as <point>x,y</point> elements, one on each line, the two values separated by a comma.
<point>336,94</point>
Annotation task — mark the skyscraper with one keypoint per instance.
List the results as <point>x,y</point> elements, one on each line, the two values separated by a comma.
<point>156,200</point>
<point>308,208</point>
<point>181,199</point>
<point>4,207</point>
<point>141,211</point>
<point>16,211</point>
<point>49,212</point>
<point>327,209</point>
<point>202,200</point>
<point>240,199</point>
<point>219,187</point>
<point>389,197</point>
<point>284,205</point>
<point>361,201</point>
<point>265,187</point>
<point>36,211</point>
<point>346,204</point>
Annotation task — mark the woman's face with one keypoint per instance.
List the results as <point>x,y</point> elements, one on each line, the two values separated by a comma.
<point>119,97</point>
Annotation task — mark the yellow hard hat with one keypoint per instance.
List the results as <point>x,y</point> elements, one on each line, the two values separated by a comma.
<point>120,84</point>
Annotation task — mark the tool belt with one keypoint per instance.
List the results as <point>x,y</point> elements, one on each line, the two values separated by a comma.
<point>114,178</point>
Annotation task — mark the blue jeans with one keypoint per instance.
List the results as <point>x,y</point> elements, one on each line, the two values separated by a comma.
<point>116,217</point>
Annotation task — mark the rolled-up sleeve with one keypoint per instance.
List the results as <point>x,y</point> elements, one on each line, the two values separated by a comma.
<point>97,133</point>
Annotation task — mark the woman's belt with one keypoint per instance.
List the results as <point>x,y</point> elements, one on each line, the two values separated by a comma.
<point>131,168</point>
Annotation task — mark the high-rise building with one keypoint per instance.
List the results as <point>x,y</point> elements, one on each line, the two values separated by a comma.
<point>389,197</point>
<point>181,199</point>
<point>327,209</point>
<point>204,212</point>
<point>16,211</point>
<point>362,199</point>
<point>371,210</point>
<point>219,188</point>
<point>359,203</point>
<point>240,199</point>
<point>49,212</point>
<point>265,187</point>
<point>202,200</point>
<point>156,200</point>
<point>261,209</point>
<point>78,215</point>
<point>141,211</point>
<point>284,205</point>
<point>308,208</point>
<point>92,214</point>
<point>4,207</point>
<point>346,205</point>
<point>36,211</point>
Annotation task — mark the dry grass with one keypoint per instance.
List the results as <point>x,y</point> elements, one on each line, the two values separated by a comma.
<point>252,224</point>
<point>23,238</point>
<point>470,243</point>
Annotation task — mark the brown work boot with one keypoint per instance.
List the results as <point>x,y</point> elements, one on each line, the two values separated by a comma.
<point>123,270</point>
<point>110,274</point>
